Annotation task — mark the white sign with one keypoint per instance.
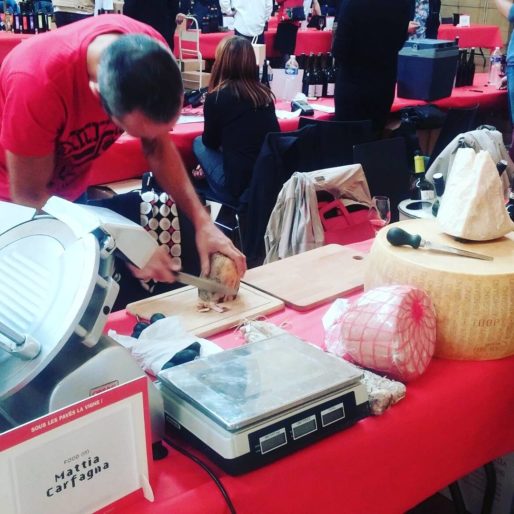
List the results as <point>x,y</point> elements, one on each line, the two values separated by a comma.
<point>464,20</point>
<point>81,458</point>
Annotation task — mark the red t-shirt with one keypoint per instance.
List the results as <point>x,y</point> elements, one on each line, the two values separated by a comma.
<point>46,105</point>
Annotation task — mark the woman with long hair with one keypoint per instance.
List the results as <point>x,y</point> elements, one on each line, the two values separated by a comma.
<point>239,111</point>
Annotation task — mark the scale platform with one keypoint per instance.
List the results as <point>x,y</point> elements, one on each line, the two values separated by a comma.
<point>251,405</point>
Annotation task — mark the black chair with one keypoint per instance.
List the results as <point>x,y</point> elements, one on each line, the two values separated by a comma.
<point>317,145</point>
<point>386,169</point>
<point>228,217</point>
<point>341,136</point>
<point>457,121</point>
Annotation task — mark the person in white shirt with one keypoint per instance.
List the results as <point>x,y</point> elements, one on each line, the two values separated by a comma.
<point>250,16</point>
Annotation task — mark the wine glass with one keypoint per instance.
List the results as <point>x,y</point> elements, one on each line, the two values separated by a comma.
<point>379,214</point>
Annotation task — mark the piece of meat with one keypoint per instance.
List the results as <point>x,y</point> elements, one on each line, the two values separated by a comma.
<point>224,271</point>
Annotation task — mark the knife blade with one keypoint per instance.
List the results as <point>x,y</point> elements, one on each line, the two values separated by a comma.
<point>206,284</point>
<point>399,237</point>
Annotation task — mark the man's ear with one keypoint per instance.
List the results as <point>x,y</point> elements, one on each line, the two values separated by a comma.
<point>93,86</point>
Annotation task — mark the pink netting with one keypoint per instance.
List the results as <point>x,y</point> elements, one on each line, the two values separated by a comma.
<point>392,330</point>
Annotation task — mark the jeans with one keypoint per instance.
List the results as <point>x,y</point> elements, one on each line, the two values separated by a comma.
<point>510,87</point>
<point>65,18</point>
<point>211,162</point>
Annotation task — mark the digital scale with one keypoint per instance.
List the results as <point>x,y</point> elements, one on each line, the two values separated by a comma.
<point>56,291</point>
<point>251,405</point>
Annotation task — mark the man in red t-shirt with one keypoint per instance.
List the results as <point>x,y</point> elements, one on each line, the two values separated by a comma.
<point>68,94</point>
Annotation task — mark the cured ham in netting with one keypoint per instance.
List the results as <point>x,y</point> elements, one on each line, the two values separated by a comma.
<point>392,330</point>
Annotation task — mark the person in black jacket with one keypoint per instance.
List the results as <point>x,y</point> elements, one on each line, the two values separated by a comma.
<point>369,35</point>
<point>159,14</point>
<point>239,111</point>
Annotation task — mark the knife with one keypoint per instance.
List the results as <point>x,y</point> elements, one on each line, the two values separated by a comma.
<point>204,283</point>
<point>399,237</point>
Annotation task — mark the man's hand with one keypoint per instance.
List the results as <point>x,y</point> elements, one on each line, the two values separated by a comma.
<point>413,26</point>
<point>209,239</point>
<point>160,267</point>
<point>503,83</point>
<point>180,18</point>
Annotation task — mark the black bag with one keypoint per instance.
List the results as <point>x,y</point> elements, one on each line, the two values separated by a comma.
<point>317,22</point>
<point>295,13</point>
<point>423,116</point>
<point>196,97</point>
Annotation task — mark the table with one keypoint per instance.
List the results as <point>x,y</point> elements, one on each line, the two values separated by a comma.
<point>455,418</point>
<point>125,158</point>
<point>479,36</point>
<point>307,40</point>
<point>8,40</point>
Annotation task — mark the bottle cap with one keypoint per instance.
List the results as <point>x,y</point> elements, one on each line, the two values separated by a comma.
<point>419,164</point>
<point>438,183</point>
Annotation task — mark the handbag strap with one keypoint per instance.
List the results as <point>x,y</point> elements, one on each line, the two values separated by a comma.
<point>323,208</point>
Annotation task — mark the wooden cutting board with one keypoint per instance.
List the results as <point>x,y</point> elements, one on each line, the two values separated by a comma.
<point>311,278</point>
<point>182,302</point>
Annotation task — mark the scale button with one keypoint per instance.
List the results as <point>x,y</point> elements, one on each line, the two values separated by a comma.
<point>273,440</point>
<point>304,427</point>
<point>332,414</point>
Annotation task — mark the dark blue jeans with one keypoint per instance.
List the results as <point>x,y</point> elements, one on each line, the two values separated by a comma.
<point>510,87</point>
<point>212,163</point>
<point>65,18</point>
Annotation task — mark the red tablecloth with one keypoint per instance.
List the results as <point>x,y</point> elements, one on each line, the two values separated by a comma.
<point>8,40</point>
<point>479,36</point>
<point>125,158</point>
<point>455,418</point>
<point>308,40</point>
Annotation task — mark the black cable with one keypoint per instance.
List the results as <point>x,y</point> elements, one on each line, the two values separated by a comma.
<point>207,469</point>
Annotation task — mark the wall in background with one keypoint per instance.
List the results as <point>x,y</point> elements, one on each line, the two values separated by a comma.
<point>480,11</point>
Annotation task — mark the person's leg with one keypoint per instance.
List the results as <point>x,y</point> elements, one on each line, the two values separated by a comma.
<point>212,163</point>
<point>65,18</point>
<point>510,89</point>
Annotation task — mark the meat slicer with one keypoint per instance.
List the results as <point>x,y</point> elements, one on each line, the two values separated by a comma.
<point>56,291</point>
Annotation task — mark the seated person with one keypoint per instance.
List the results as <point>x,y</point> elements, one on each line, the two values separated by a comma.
<point>239,111</point>
<point>44,6</point>
<point>10,6</point>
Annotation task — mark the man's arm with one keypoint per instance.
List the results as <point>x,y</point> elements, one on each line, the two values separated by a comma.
<point>29,178</point>
<point>226,6</point>
<point>166,163</point>
<point>504,6</point>
<point>269,8</point>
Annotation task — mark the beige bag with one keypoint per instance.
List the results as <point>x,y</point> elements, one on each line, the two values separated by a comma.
<point>473,205</point>
<point>260,52</point>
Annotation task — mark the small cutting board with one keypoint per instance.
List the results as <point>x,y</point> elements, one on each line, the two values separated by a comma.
<point>182,302</point>
<point>311,278</point>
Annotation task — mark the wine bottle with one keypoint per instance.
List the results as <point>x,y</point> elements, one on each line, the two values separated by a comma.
<point>423,189</point>
<point>41,22</point>
<point>264,74</point>
<point>510,203</point>
<point>501,166</point>
<point>318,85</point>
<point>470,75</point>
<point>306,76</point>
<point>331,77</point>
<point>439,191</point>
<point>461,68</point>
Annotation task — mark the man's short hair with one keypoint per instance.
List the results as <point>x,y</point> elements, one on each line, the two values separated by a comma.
<point>136,72</point>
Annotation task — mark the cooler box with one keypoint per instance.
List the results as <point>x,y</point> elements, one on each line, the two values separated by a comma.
<point>426,69</point>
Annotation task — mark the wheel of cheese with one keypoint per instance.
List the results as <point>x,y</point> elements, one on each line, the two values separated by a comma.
<point>473,299</point>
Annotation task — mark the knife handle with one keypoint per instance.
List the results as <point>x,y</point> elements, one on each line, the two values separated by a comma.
<point>399,237</point>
